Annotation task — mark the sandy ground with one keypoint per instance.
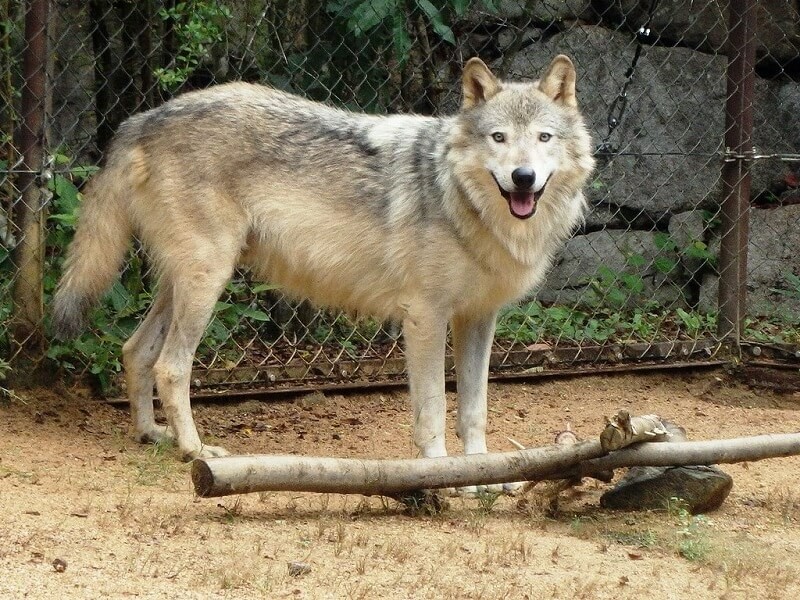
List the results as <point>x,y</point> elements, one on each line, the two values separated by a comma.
<point>87,513</point>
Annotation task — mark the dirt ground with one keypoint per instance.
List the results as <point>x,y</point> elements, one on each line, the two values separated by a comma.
<point>87,513</point>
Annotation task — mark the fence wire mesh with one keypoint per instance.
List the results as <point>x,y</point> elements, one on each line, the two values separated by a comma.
<point>637,283</point>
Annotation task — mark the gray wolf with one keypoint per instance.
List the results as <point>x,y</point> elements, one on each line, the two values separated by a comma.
<point>421,220</point>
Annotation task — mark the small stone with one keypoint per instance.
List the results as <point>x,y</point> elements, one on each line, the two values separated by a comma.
<point>60,565</point>
<point>296,568</point>
<point>646,488</point>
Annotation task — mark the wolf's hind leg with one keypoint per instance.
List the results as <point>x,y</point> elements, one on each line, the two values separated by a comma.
<point>139,354</point>
<point>194,293</point>
<point>425,337</point>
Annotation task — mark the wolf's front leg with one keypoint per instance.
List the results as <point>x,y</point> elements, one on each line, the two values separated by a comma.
<point>425,336</point>
<point>472,343</point>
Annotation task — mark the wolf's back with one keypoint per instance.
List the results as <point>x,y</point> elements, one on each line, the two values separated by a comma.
<point>101,241</point>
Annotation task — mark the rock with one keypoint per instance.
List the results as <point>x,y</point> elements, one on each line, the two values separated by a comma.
<point>772,261</point>
<point>708,301</point>
<point>59,565</point>
<point>648,488</point>
<point>541,11</point>
<point>704,25</point>
<point>297,568</point>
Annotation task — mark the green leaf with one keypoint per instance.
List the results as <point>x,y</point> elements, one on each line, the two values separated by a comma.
<point>222,307</point>
<point>665,265</point>
<point>697,249</point>
<point>460,7</point>
<point>264,287</point>
<point>636,260</point>
<point>435,17</point>
<point>68,198</point>
<point>632,282</point>
<point>664,241</point>
<point>256,315</point>
<point>69,220</point>
<point>369,14</point>
<point>83,171</point>
<point>607,276</point>
<point>120,298</point>
<point>400,38</point>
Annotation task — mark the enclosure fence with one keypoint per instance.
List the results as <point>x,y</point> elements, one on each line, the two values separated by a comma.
<point>688,254</point>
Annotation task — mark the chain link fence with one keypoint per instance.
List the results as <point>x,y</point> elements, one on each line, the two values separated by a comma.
<point>691,219</point>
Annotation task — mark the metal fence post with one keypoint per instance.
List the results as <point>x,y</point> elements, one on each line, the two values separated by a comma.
<point>30,217</point>
<point>736,169</point>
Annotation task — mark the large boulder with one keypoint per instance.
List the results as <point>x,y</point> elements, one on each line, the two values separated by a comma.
<point>541,11</point>
<point>704,25</point>
<point>773,263</point>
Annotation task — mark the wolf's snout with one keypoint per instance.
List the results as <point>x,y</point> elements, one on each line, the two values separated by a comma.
<point>523,178</point>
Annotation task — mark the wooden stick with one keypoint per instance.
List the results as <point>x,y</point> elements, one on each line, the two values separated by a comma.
<point>213,477</point>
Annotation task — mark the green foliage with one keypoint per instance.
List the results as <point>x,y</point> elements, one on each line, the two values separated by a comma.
<point>696,324</point>
<point>792,291</point>
<point>197,25</point>
<point>533,322</point>
<point>616,289</point>
<point>366,53</point>
<point>692,541</point>
<point>344,332</point>
<point>365,17</point>
<point>234,313</point>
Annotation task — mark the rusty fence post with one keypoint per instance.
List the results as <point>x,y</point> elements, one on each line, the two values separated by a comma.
<point>30,214</point>
<point>736,170</point>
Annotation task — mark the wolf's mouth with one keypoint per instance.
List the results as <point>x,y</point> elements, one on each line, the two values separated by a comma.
<point>521,204</point>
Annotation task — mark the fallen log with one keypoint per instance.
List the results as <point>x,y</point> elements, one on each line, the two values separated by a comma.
<point>213,477</point>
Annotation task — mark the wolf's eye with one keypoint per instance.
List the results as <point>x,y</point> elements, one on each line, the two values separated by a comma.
<point>499,137</point>
<point>545,137</point>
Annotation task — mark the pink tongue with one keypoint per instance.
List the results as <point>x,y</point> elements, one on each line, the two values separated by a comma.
<point>522,203</point>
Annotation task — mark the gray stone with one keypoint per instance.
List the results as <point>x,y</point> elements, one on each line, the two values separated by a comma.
<point>772,259</point>
<point>637,253</point>
<point>701,489</point>
<point>708,301</point>
<point>704,25</point>
<point>772,256</point>
<point>542,11</point>
<point>298,568</point>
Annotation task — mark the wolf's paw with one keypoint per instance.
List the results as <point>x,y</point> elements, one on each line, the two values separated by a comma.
<point>476,491</point>
<point>156,434</point>
<point>513,488</point>
<point>495,489</point>
<point>205,451</point>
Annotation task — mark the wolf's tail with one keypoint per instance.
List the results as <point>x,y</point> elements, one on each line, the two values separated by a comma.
<point>101,241</point>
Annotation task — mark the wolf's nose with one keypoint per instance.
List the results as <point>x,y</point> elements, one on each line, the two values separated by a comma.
<point>523,177</point>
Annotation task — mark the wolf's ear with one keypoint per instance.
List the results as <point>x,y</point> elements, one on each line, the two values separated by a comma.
<point>559,81</point>
<point>478,82</point>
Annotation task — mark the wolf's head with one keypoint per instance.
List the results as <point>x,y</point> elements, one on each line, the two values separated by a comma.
<point>521,146</point>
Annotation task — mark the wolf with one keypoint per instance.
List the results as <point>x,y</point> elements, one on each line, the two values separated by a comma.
<point>427,221</point>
